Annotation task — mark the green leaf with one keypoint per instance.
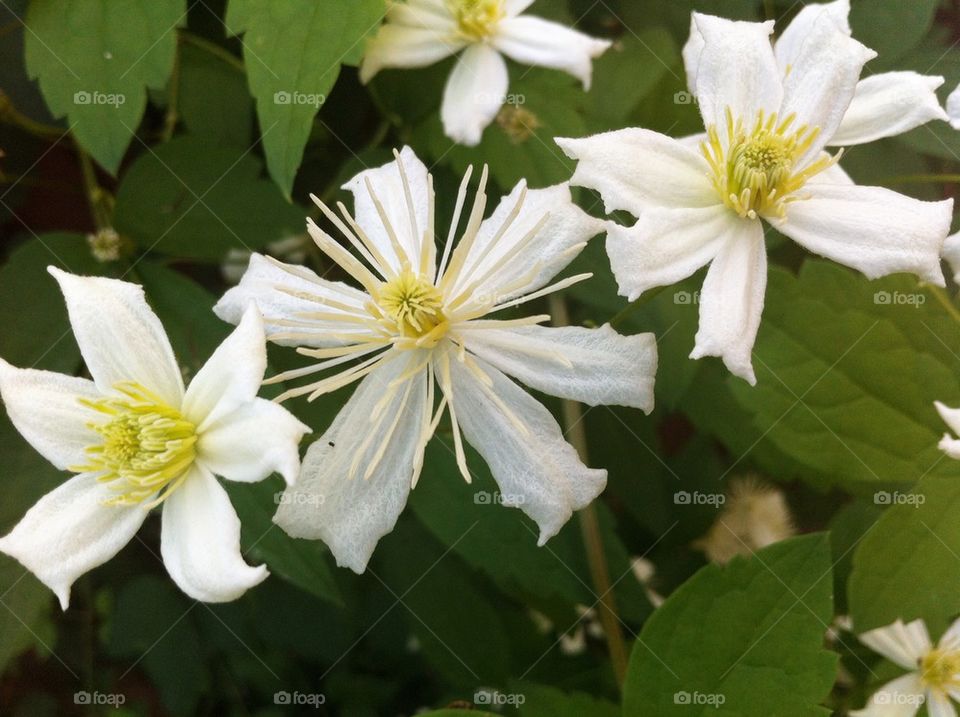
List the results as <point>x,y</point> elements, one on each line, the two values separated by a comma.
<point>293,51</point>
<point>546,701</point>
<point>94,60</point>
<point>190,198</point>
<point>744,639</point>
<point>213,99</point>
<point>848,371</point>
<point>891,27</point>
<point>24,606</point>
<point>907,565</point>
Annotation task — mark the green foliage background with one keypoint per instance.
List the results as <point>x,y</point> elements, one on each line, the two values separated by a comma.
<point>200,162</point>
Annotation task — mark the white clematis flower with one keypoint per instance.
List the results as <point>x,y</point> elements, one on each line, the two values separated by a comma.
<point>934,676</point>
<point>418,33</point>
<point>951,416</point>
<point>762,158</point>
<point>137,439</point>
<point>419,321</point>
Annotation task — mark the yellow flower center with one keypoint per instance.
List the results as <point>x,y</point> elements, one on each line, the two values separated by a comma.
<point>940,669</point>
<point>147,446</point>
<point>414,307</point>
<point>754,172</point>
<point>477,19</point>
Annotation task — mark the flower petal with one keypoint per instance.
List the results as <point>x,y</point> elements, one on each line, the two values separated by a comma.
<point>387,183</point>
<point>232,376</point>
<point>499,267</point>
<point>377,435</point>
<point>534,41</point>
<point>250,443</point>
<point>691,54</point>
<point>901,697</point>
<point>807,23</point>
<point>45,408</point>
<point>636,169</point>
<point>200,541</point>
<point>70,531</point>
<point>120,337</point>
<point>593,366</point>
<point>871,229</point>
<point>731,301</point>
<point>951,252</point>
<point>667,245</point>
<point>938,705</point>
<point>285,292</point>
<point>889,104</point>
<point>822,81</point>
<point>535,468</point>
<point>474,94</point>
<point>402,43</point>
<point>901,643</point>
<point>953,108</point>
<point>737,70</point>
<point>515,7</point>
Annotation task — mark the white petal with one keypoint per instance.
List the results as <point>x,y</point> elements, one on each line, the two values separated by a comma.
<point>938,705</point>
<point>351,514</point>
<point>950,445</point>
<point>901,697</point>
<point>120,337</point>
<point>950,416</point>
<point>904,644</point>
<point>822,81</point>
<point>806,24</point>
<point>200,541</point>
<point>70,531</point>
<point>403,45</point>
<point>953,108</point>
<point>950,640</point>
<point>232,376</point>
<point>262,284</point>
<point>667,245</point>
<point>951,252</point>
<point>250,443</point>
<point>534,41</point>
<point>737,70</point>
<point>691,54</point>
<point>636,169</point>
<point>45,407</point>
<point>535,468</point>
<point>889,104</point>
<point>422,13</point>
<point>387,183</point>
<point>551,249</point>
<point>731,301</point>
<point>515,7</point>
<point>834,174</point>
<point>874,230</point>
<point>474,94</point>
<point>593,366</point>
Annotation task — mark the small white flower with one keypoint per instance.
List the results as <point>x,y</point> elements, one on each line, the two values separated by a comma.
<point>934,675</point>
<point>951,416</point>
<point>421,32</point>
<point>419,320</point>
<point>138,439</point>
<point>769,113</point>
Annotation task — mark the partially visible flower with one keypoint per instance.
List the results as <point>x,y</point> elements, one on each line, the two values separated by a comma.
<point>644,571</point>
<point>574,641</point>
<point>934,675</point>
<point>421,32</point>
<point>754,516</point>
<point>420,322</point>
<point>291,248</point>
<point>953,108</point>
<point>107,245</point>
<point>137,439</point>
<point>762,159</point>
<point>951,416</point>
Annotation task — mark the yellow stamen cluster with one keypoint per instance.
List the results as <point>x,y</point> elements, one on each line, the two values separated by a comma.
<point>940,669</point>
<point>477,19</point>
<point>414,307</point>
<point>755,170</point>
<point>147,445</point>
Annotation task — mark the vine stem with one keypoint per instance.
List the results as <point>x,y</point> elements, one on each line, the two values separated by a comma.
<point>590,526</point>
<point>625,312</point>
<point>923,179</point>
<point>96,196</point>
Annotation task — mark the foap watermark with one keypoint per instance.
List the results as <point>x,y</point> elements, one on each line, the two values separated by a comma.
<point>707,699</point>
<point>686,298</point>
<point>495,698</point>
<point>485,497</point>
<point>883,497</point>
<point>100,699</point>
<point>313,99</point>
<point>514,99</point>
<point>899,298</point>
<point>114,99</point>
<point>686,497</point>
<point>286,498</point>
<point>300,699</point>
<point>899,698</point>
<point>684,98</point>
